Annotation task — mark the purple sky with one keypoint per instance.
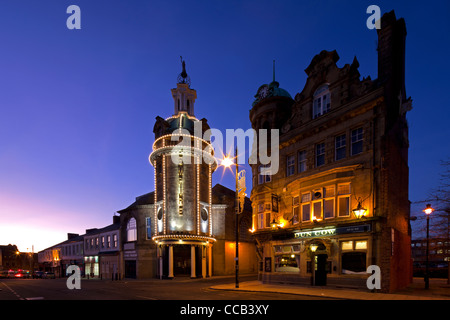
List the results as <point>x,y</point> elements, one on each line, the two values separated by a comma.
<point>78,106</point>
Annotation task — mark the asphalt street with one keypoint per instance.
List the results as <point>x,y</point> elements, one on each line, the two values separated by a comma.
<point>154,289</point>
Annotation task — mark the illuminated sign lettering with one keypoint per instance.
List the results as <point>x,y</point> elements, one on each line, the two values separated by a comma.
<point>315,233</point>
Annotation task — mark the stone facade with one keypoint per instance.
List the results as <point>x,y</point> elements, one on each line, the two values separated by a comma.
<point>184,226</point>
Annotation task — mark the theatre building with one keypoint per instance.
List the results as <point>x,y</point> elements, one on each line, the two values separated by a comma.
<point>339,201</point>
<point>184,227</point>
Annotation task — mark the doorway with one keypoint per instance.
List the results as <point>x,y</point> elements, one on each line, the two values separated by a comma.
<point>130,269</point>
<point>321,270</point>
<point>182,260</point>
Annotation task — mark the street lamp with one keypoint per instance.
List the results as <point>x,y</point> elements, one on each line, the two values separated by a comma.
<point>359,212</point>
<point>228,162</point>
<point>313,247</point>
<point>428,210</point>
<point>274,224</point>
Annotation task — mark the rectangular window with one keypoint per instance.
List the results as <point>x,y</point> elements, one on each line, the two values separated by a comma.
<point>347,245</point>
<point>340,147</point>
<point>115,241</point>
<point>317,210</point>
<point>357,141</point>
<point>328,208</point>
<point>290,165</point>
<point>295,210</point>
<point>306,197</point>
<point>360,245</point>
<point>263,178</point>
<point>320,154</point>
<point>302,161</point>
<point>148,225</point>
<point>328,202</point>
<point>321,105</point>
<point>329,192</point>
<point>260,207</point>
<point>108,242</point>
<point>306,212</point>
<point>260,222</point>
<point>103,241</point>
<point>344,206</point>
<point>344,188</point>
<point>267,223</point>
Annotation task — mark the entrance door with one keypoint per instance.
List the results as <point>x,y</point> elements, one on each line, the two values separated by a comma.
<point>321,270</point>
<point>130,268</point>
<point>182,260</point>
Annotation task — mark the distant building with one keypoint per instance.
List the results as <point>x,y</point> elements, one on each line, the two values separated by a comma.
<point>96,253</point>
<point>438,257</point>
<point>102,251</point>
<point>12,259</point>
<point>343,147</point>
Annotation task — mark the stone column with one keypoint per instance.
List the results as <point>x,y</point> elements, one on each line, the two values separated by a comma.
<point>209,260</point>
<point>192,261</point>
<point>203,248</point>
<point>170,261</point>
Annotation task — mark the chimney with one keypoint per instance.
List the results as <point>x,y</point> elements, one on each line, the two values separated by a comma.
<point>72,235</point>
<point>391,61</point>
<point>116,219</point>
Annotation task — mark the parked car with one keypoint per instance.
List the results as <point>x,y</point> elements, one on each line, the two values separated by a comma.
<point>38,274</point>
<point>49,275</point>
<point>25,274</point>
<point>3,274</point>
<point>11,273</point>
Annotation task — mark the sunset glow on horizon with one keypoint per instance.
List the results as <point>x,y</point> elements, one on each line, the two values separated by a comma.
<point>78,107</point>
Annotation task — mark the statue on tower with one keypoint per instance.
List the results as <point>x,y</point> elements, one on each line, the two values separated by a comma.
<point>183,76</point>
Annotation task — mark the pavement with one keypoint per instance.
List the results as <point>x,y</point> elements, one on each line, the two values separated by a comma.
<point>439,290</point>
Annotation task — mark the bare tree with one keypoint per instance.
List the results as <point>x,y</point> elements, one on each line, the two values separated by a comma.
<point>439,198</point>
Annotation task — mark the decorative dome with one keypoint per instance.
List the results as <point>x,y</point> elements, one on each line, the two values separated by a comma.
<point>270,90</point>
<point>181,122</point>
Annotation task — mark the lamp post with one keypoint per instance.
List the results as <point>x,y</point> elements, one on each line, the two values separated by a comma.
<point>237,220</point>
<point>428,210</point>
<point>227,162</point>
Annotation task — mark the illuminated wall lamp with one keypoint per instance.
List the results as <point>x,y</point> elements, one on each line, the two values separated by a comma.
<point>315,219</point>
<point>274,224</point>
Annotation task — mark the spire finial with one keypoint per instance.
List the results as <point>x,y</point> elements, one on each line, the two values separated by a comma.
<point>183,76</point>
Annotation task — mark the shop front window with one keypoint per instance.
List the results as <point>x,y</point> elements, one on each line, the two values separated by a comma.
<point>287,263</point>
<point>354,262</point>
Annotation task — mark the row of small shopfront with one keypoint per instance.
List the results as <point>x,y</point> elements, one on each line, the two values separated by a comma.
<point>99,266</point>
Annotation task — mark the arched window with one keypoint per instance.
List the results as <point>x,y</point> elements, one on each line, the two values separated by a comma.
<point>131,230</point>
<point>204,214</point>
<point>321,101</point>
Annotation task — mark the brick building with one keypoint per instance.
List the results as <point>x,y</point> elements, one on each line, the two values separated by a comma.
<point>438,257</point>
<point>343,147</point>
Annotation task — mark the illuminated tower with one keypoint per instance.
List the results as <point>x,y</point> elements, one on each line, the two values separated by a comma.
<point>183,163</point>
